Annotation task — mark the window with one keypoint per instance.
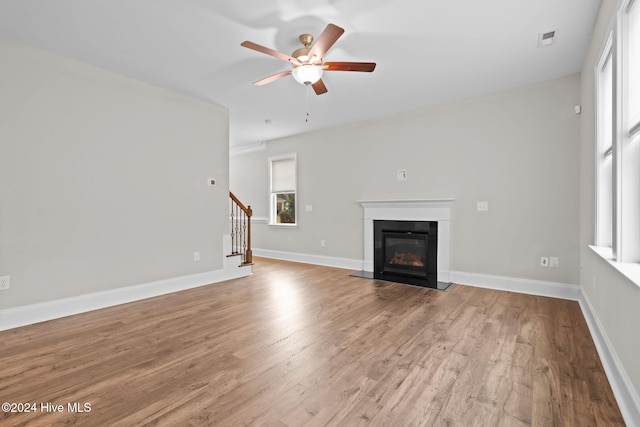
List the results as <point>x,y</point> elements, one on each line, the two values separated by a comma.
<point>618,138</point>
<point>282,171</point>
<point>604,159</point>
<point>629,230</point>
<point>632,59</point>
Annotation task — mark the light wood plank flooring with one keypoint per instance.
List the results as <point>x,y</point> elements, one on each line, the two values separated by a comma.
<point>304,345</point>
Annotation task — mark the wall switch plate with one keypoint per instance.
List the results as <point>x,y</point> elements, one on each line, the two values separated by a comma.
<point>5,283</point>
<point>554,262</point>
<point>544,261</point>
<point>323,243</point>
<point>211,182</point>
<point>483,206</point>
<point>308,208</point>
<point>402,175</point>
<point>196,256</point>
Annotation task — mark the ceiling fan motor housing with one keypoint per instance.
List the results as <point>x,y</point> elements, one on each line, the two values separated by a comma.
<point>302,54</point>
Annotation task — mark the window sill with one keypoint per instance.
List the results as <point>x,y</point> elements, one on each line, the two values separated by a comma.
<point>283,225</point>
<point>630,270</point>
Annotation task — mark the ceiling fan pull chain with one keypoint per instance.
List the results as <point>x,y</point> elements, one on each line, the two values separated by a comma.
<point>308,89</point>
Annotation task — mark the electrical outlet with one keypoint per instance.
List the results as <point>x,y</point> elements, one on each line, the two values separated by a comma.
<point>544,261</point>
<point>196,256</point>
<point>554,262</point>
<point>482,206</point>
<point>5,283</point>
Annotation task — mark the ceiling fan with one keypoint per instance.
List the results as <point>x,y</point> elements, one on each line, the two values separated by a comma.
<point>307,62</point>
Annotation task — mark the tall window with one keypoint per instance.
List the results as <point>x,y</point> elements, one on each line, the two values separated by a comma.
<point>632,55</point>
<point>283,190</point>
<point>604,159</point>
<point>629,229</point>
<point>618,135</point>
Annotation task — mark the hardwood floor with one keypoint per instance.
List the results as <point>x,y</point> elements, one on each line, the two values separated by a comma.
<point>304,345</point>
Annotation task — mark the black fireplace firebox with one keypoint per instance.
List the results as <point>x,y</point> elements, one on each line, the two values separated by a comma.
<point>406,252</point>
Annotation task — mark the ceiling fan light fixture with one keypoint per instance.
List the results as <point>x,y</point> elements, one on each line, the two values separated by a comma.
<point>307,74</point>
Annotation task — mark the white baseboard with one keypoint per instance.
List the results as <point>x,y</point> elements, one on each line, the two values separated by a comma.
<point>515,284</point>
<point>34,313</point>
<point>348,263</point>
<point>623,390</point>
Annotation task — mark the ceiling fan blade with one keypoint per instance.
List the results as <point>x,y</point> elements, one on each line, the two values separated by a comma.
<point>272,78</point>
<point>319,87</point>
<point>349,66</point>
<point>268,51</point>
<point>328,37</point>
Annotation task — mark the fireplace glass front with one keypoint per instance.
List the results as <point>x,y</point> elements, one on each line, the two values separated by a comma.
<point>406,251</point>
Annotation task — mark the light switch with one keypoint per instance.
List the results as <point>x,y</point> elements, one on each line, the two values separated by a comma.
<point>483,206</point>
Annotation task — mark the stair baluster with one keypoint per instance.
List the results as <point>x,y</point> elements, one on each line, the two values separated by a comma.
<point>241,230</point>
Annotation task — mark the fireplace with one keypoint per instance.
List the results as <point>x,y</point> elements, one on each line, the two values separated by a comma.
<point>414,210</point>
<point>406,252</point>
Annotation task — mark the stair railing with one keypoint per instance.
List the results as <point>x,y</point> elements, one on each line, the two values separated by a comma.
<point>241,230</point>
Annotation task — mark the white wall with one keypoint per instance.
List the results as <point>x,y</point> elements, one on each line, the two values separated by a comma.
<point>516,149</point>
<point>103,179</point>
<point>614,299</point>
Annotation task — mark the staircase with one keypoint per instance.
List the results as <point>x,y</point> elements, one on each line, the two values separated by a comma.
<point>241,231</point>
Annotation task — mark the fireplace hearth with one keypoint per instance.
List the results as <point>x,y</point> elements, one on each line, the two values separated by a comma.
<point>406,252</point>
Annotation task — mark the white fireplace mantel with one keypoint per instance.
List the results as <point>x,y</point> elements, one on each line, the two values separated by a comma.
<point>410,210</point>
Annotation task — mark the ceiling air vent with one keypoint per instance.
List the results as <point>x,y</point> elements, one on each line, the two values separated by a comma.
<point>546,39</point>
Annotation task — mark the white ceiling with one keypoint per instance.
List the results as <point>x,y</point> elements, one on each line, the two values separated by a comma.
<point>428,51</point>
